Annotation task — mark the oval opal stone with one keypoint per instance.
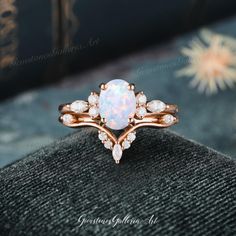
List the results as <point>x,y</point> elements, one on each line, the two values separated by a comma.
<point>117,104</point>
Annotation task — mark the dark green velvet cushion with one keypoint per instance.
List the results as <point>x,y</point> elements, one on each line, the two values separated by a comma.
<point>187,188</point>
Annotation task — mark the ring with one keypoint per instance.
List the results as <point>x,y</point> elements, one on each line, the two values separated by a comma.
<point>118,107</point>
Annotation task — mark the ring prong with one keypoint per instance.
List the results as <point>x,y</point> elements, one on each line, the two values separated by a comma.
<point>131,87</point>
<point>103,120</point>
<point>102,86</point>
<point>131,120</point>
<point>93,93</point>
<point>60,119</point>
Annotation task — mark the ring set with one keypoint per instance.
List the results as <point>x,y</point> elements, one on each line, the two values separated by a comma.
<point>118,107</point>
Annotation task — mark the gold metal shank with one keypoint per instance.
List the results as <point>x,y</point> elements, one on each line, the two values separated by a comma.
<point>83,119</point>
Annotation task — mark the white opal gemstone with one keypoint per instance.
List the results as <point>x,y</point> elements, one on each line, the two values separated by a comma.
<point>117,152</point>
<point>117,104</point>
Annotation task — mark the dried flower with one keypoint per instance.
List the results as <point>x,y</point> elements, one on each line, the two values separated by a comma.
<point>212,62</point>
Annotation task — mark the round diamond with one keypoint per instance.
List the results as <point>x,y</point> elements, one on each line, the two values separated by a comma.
<point>108,144</point>
<point>93,99</point>
<point>102,136</point>
<point>126,144</point>
<point>117,104</point>
<point>168,119</point>
<point>79,106</point>
<point>93,112</point>
<point>131,137</point>
<point>67,118</point>
<point>156,106</point>
<point>141,112</point>
<point>141,99</point>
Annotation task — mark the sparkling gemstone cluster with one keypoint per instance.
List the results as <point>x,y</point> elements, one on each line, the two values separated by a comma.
<point>93,100</point>
<point>128,140</point>
<point>154,106</point>
<point>118,106</point>
<point>157,106</point>
<point>141,101</point>
<point>105,140</point>
<point>80,106</point>
<point>117,149</point>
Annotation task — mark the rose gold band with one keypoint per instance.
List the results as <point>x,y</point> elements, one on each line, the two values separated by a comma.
<point>151,120</point>
<point>170,109</point>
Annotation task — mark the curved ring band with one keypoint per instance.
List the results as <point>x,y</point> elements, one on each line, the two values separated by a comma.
<point>116,107</point>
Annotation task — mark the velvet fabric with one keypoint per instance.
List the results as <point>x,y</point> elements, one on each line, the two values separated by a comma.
<point>170,185</point>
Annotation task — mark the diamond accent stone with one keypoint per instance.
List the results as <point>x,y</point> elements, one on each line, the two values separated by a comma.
<point>141,112</point>
<point>102,136</point>
<point>131,137</point>
<point>168,119</point>
<point>126,144</point>
<point>117,153</point>
<point>93,99</point>
<point>67,118</point>
<point>79,106</point>
<point>141,99</point>
<point>108,144</point>
<point>93,112</point>
<point>156,106</point>
<point>117,104</point>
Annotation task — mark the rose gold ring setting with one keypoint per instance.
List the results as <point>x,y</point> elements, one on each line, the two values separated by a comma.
<point>118,107</point>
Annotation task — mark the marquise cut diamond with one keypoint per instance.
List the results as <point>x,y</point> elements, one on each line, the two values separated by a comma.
<point>79,106</point>
<point>156,106</point>
<point>117,152</point>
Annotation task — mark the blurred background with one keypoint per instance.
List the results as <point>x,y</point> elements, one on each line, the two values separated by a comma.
<point>57,51</point>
